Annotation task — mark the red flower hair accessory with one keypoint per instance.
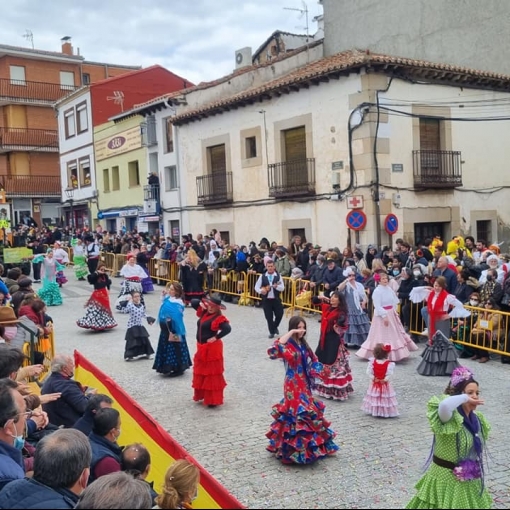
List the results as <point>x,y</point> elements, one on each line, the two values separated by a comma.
<point>386,347</point>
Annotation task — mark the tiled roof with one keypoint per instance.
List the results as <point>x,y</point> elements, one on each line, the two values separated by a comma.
<point>348,61</point>
<point>6,48</point>
<point>209,84</point>
<point>275,34</point>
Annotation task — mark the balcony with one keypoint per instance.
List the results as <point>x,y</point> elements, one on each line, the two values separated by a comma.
<point>32,92</point>
<point>22,139</point>
<point>214,189</point>
<point>31,185</point>
<point>437,169</point>
<point>292,178</point>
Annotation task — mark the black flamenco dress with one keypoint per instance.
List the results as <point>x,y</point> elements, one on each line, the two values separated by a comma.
<point>438,358</point>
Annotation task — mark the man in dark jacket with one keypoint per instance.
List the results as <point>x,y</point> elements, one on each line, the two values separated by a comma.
<point>106,453</point>
<point>332,277</point>
<point>61,471</point>
<point>86,423</point>
<point>71,405</point>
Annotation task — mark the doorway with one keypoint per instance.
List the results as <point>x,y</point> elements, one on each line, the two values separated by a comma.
<point>424,231</point>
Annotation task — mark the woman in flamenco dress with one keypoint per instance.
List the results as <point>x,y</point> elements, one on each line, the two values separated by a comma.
<point>299,433</point>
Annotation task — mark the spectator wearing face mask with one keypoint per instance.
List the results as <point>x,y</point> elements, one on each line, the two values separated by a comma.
<point>491,288</point>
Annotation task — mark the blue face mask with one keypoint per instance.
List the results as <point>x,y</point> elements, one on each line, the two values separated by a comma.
<point>19,441</point>
<point>396,272</point>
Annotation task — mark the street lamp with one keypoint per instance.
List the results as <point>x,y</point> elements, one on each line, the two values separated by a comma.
<point>70,194</point>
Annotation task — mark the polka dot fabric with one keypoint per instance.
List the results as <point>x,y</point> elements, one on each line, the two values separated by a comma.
<point>439,488</point>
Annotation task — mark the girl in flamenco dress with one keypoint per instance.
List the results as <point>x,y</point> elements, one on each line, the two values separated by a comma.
<point>299,433</point>
<point>380,400</point>
<point>98,314</point>
<point>50,291</point>
<point>336,380</point>
<point>62,258</point>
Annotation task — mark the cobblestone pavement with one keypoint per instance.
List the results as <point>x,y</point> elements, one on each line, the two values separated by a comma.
<point>379,460</point>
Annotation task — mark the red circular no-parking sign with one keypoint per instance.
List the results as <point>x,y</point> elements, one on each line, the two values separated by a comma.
<point>356,219</point>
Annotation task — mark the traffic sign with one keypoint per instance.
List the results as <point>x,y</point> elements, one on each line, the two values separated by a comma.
<point>391,224</point>
<point>356,219</point>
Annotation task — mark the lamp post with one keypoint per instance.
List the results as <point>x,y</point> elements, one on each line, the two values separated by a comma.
<point>70,194</point>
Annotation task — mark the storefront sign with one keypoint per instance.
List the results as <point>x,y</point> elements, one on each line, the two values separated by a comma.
<point>129,212</point>
<point>15,255</point>
<point>125,141</point>
<point>149,218</point>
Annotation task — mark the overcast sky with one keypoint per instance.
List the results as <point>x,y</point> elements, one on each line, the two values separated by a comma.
<point>196,39</point>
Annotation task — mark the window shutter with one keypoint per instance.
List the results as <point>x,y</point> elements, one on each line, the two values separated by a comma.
<point>295,144</point>
<point>429,135</point>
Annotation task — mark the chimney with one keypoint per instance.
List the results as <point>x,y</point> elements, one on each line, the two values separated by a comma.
<point>67,47</point>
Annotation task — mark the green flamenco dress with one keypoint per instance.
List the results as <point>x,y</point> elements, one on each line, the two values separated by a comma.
<point>439,487</point>
<point>50,291</point>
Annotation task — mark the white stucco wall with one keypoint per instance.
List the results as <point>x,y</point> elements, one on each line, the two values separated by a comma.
<point>79,140</point>
<point>484,148</point>
<point>469,33</point>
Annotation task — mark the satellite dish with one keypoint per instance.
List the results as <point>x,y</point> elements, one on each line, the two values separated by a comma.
<point>239,57</point>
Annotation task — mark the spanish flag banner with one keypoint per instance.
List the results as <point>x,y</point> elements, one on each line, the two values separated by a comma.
<point>139,427</point>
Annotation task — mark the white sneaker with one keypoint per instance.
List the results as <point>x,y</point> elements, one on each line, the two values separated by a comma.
<point>425,332</point>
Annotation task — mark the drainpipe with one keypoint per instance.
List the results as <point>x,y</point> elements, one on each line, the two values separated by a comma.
<point>178,165</point>
<point>376,189</point>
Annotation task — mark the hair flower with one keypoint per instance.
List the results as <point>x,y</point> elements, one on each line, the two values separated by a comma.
<point>386,347</point>
<point>461,374</point>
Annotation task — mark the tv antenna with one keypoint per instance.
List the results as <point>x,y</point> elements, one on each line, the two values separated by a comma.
<point>117,98</point>
<point>303,12</point>
<point>29,36</point>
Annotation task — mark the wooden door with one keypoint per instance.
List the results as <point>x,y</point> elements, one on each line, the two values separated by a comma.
<point>295,174</point>
<point>218,184</point>
<point>430,146</point>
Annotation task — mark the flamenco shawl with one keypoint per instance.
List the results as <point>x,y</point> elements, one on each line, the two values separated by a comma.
<point>472,425</point>
<point>173,308</point>
<point>330,317</point>
<point>100,297</point>
<point>304,362</point>
<point>436,310</point>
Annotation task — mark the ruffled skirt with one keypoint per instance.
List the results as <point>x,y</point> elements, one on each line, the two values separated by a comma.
<point>380,400</point>
<point>50,293</point>
<point>126,287</point>
<point>208,381</point>
<point>393,334</point>
<point>80,266</point>
<point>98,315</point>
<point>137,342</point>
<point>438,359</point>
<point>147,285</point>
<point>171,357</point>
<point>336,379</point>
<point>359,327</point>
<point>299,433</point>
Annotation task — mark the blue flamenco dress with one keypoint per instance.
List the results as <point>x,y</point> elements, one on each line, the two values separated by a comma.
<point>172,358</point>
<point>50,291</point>
<point>299,433</point>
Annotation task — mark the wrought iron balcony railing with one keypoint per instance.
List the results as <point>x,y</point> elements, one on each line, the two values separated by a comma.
<point>292,178</point>
<point>22,91</point>
<point>19,139</point>
<point>31,185</point>
<point>215,189</point>
<point>437,169</point>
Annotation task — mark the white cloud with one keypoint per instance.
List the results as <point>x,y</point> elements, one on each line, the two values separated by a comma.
<point>193,38</point>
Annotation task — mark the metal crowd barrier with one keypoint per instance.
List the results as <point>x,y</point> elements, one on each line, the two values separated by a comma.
<point>490,334</point>
<point>45,345</point>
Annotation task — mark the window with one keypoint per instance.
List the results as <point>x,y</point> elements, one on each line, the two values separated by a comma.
<point>70,129</point>
<point>66,80</point>
<point>251,147</point>
<point>169,130</point>
<point>106,180</point>
<point>133,174</point>
<point>153,163</point>
<point>72,174</point>
<point>86,79</point>
<point>85,177</point>
<point>81,117</point>
<point>171,178</point>
<point>17,75</point>
<point>484,230</point>
<point>115,178</point>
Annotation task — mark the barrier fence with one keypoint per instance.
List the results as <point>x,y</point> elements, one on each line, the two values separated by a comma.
<point>484,330</point>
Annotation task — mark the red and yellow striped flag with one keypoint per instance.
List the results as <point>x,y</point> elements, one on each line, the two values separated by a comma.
<point>138,426</point>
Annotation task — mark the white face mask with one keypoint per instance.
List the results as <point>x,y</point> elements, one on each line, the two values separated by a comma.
<point>417,273</point>
<point>472,302</point>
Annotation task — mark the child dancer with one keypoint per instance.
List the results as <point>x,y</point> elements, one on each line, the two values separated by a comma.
<point>380,399</point>
<point>137,337</point>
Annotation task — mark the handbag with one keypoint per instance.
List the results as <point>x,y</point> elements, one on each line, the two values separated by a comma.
<point>304,297</point>
<point>172,337</point>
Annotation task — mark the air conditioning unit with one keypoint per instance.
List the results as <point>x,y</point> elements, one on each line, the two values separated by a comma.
<point>243,57</point>
<point>149,206</point>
